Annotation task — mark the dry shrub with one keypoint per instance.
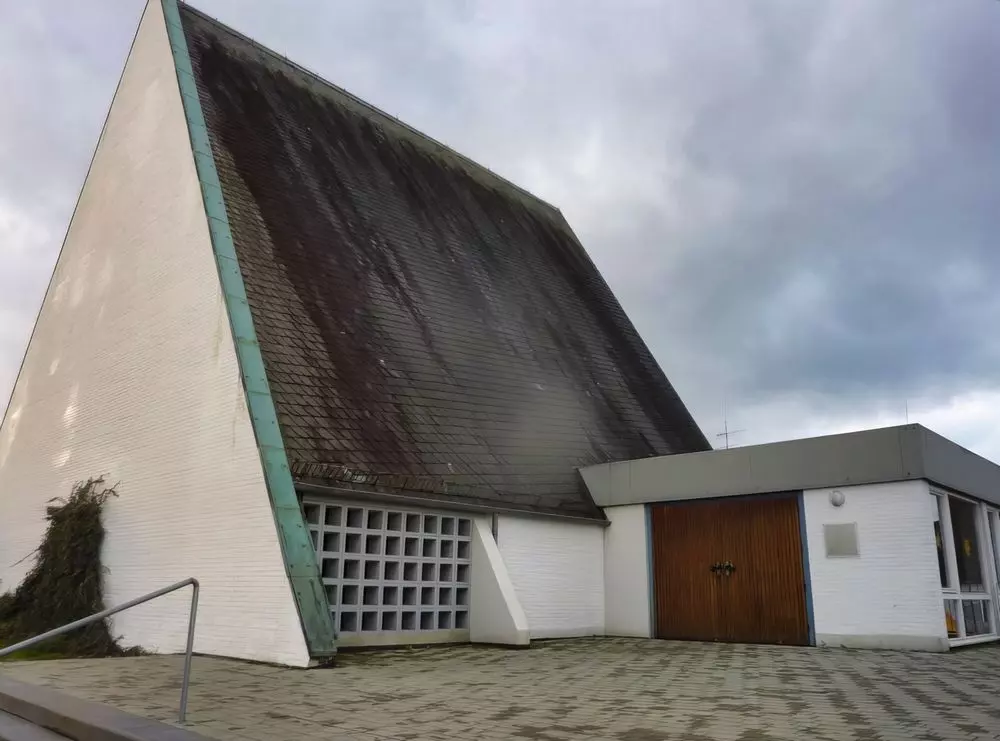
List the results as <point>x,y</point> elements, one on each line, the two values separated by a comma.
<point>65,583</point>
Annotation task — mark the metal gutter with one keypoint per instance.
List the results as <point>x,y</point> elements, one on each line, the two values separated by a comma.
<point>414,500</point>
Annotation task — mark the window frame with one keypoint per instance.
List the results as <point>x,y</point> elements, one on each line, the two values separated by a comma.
<point>989,556</point>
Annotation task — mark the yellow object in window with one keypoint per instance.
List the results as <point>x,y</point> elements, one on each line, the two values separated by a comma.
<point>950,624</point>
<point>967,546</point>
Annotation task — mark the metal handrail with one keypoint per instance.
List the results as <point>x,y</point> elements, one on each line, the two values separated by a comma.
<point>124,606</point>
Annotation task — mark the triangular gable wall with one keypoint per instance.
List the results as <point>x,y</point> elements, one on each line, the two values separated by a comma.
<point>133,371</point>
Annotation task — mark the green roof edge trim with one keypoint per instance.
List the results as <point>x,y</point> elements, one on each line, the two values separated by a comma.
<point>296,544</point>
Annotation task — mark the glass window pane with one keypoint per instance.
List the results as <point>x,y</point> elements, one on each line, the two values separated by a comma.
<point>977,617</point>
<point>963,525</point>
<point>951,617</point>
<point>939,541</point>
<point>994,542</point>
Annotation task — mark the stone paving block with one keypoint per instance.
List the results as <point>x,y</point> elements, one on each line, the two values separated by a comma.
<point>618,689</point>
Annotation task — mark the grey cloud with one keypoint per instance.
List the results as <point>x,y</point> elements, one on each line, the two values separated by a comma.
<point>796,202</point>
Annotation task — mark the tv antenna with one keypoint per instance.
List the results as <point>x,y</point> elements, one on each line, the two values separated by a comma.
<point>727,433</point>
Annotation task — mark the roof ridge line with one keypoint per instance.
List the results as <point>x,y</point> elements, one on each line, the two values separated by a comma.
<point>365,104</point>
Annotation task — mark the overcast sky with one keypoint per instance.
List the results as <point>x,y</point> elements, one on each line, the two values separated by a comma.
<point>796,202</point>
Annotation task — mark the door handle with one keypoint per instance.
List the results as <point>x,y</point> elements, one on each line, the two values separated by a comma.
<point>725,568</point>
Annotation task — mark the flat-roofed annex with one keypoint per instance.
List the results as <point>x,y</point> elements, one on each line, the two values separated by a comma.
<point>866,457</point>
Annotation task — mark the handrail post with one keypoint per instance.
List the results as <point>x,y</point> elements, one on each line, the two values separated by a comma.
<point>186,679</point>
<point>189,650</point>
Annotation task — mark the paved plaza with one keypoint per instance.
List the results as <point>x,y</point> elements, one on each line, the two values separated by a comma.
<point>630,690</point>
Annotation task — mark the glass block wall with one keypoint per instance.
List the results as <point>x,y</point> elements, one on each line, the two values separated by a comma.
<point>392,570</point>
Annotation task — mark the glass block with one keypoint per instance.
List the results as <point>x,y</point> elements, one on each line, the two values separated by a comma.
<point>411,571</point>
<point>464,528</point>
<point>331,568</point>
<point>332,516</point>
<point>355,517</point>
<point>447,549</point>
<point>394,521</point>
<point>388,621</point>
<point>349,594</point>
<point>331,542</point>
<point>352,569</point>
<point>430,548</point>
<point>348,622</point>
<point>444,620</point>
<point>462,620</point>
<point>373,570</point>
<point>375,519</point>
<point>427,620</point>
<point>462,573</point>
<point>430,524</point>
<point>463,549</point>
<point>427,572</point>
<point>373,545</point>
<point>446,572</point>
<point>311,513</point>
<point>411,547</point>
<point>369,621</point>
<point>427,595</point>
<point>390,595</point>
<point>369,596</point>
<point>409,595</point>
<point>331,594</point>
<point>409,620</point>
<point>352,543</point>
<point>444,596</point>
<point>447,525</point>
<point>392,570</point>
<point>462,596</point>
<point>392,545</point>
<point>412,523</point>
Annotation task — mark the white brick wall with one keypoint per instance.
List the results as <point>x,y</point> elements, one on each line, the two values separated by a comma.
<point>132,372</point>
<point>496,613</point>
<point>557,569</point>
<point>626,572</point>
<point>891,593</point>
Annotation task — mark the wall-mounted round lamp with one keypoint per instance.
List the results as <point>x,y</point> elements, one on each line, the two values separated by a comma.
<point>837,498</point>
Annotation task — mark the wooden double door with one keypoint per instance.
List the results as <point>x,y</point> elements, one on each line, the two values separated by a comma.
<point>730,570</point>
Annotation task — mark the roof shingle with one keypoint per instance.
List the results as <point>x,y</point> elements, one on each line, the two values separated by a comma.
<point>425,325</point>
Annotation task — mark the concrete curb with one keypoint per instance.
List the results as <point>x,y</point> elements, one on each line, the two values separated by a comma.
<point>81,720</point>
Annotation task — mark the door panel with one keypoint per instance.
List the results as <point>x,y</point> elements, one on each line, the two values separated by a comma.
<point>766,601</point>
<point>689,599</point>
<point>761,601</point>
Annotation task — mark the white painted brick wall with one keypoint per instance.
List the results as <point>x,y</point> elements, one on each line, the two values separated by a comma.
<point>626,572</point>
<point>557,569</point>
<point>132,372</point>
<point>893,587</point>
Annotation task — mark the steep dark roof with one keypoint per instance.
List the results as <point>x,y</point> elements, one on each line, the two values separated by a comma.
<point>426,326</point>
